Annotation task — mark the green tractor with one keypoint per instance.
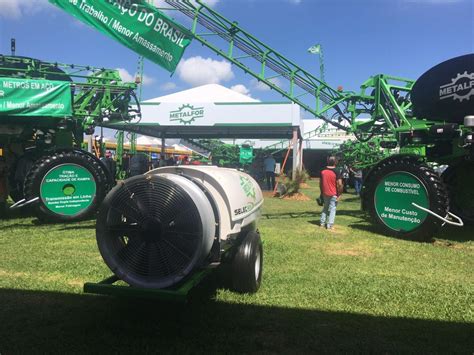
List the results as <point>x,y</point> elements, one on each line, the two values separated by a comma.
<point>413,126</point>
<point>45,111</point>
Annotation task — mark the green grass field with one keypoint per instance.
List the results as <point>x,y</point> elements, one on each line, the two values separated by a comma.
<point>351,290</point>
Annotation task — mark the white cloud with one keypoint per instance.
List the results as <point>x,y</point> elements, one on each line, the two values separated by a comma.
<point>129,78</point>
<point>168,86</point>
<point>259,85</point>
<point>241,89</point>
<point>147,80</point>
<point>16,9</point>
<point>199,71</point>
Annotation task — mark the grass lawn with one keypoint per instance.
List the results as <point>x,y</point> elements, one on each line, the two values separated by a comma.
<point>351,290</point>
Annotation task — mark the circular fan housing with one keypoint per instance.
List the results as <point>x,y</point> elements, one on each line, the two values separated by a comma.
<point>153,230</point>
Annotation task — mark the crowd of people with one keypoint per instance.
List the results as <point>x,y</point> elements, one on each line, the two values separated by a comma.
<point>334,178</point>
<point>140,163</point>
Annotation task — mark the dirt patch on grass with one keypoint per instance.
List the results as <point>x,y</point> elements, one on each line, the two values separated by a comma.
<point>76,283</point>
<point>337,230</point>
<point>451,245</point>
<point>297,197</point>
<point>267,194</point>
<point>342,249</point>
<point>349,252</point>
<point>304,185</point>
<point>11,273</point>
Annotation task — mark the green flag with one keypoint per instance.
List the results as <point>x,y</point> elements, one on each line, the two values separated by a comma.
<point>28,97</point>
<point>315,49</point>
<point>135,24</point>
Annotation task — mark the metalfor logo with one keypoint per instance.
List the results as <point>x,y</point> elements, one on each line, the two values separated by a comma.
<point>187,114</point>
<point>460,88</point>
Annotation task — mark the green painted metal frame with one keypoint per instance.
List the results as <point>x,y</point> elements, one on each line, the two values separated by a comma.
<point>97,92</point>
<point>381,109</point>
<point>362,155</point>
<point>179,293</point>
<point>241,45</point>
<point>284,144</point>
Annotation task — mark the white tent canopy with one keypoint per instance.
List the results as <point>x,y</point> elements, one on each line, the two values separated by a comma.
<point>213,111</point>
<point>204,93</point>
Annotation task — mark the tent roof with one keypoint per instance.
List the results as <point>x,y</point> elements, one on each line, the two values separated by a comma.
<point>204,93</point>
<point>214,111</point>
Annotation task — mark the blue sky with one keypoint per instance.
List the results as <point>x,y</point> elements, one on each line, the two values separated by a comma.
<point>360,38</point>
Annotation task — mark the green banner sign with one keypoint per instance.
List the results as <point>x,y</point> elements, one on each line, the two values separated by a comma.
<point>135,24</point>
<point>394,198</point>
<point>27,97</point>
<point>68,189</point>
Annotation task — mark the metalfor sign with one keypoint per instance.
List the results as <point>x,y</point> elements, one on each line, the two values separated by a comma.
<point>394,198</point>
<point>27,97</point>
<point>135,24</point>
<point>187,114</point>
<point>460,88</point>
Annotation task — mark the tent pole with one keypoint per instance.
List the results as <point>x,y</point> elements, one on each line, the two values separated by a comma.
<point>163,140</point>
<point>295,152</point>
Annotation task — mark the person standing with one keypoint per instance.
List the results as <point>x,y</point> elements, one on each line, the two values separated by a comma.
<point>357,180</point>
<point>110,164</point>
<point>138,164</point>
<point>269,164</point>
<point>162,161</point>
<point>331,188</point>
<point>345,177</point>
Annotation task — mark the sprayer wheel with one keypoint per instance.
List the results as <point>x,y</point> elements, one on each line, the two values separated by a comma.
<point>458,179</point>
<point>408,170</point>
<point>71,184</point>
<point>17,176</point>
<point>246,268</point>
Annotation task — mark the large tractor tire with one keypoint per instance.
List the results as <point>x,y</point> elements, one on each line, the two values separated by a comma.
<point>459,182</point>
<point>70,184</point>
<point>391,188</point>
<point>17,176</point>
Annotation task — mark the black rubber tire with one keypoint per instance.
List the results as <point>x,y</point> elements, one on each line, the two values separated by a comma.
<point>16,180</point>
<point>3,210</point>
<point>458,179</point>
<point>245,278</point>
<point>74,156</point>
<point>437,195</point>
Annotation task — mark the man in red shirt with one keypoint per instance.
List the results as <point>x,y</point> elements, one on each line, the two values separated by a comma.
<point>331,188</point>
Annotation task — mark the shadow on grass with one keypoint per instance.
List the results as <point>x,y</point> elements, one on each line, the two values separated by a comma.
<point>38,321</point>
<point>6,213</point>
<point>457,234</point>
<point>446,235</point>
<point>76,227</point>
<point>351,199</point>
<point>41,222</point>
<point>29,225</point>
<point>366,226</point>
<point>283,215</point>
<point>311,214</point>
